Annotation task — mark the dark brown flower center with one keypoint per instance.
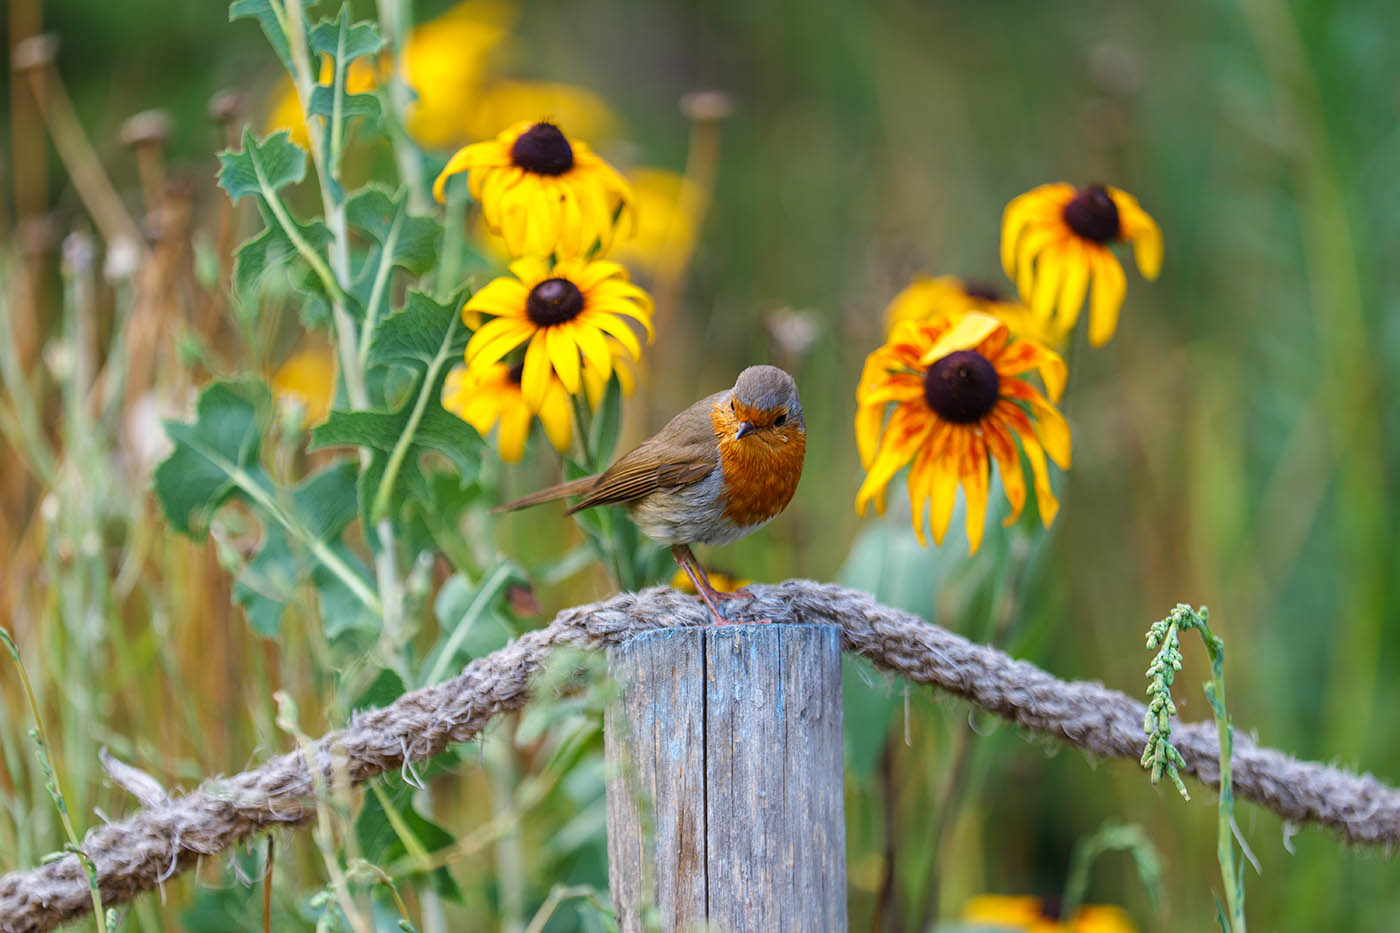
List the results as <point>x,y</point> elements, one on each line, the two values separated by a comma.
<point>516,374</point>
<point>962,387</point>
<point>1092,214</point>
<point>543,149</point>
<point>1051,908</point>
<point>553,301</point>
<point>982,291</point>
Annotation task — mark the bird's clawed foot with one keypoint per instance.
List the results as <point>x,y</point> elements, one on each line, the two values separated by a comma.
<point>711,596</point>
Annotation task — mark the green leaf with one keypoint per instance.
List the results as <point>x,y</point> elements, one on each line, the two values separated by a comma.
<point>261,169</point>
<point>351,105</point>
<point>380,840</point>
<point>267,17</point>
<point>409,241</point>
<point>343,41</point>
<point>215,459</point>
<point>425,336</point>
<point>420,333</point>
<point>200,473</point>
<point>273,249</point>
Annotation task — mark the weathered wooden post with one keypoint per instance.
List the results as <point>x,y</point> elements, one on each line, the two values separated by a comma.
<point>725,779</point>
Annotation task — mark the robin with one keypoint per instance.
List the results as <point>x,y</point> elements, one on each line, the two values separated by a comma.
<point>720,469</point>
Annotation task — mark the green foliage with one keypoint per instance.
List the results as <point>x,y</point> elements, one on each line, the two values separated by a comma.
<point>215,460</point>
<point>424,337</point>
<point>271,16</point>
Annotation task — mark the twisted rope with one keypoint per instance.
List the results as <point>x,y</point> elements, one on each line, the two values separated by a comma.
<point>160,841</point>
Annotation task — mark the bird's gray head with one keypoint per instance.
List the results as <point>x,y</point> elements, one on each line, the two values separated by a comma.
<point>765,397</point>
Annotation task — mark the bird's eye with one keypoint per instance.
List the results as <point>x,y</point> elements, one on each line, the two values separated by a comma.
<point>781,420</point>
<point>732,407</point>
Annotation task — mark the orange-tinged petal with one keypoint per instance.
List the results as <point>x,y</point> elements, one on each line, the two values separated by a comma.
<point>563,355</point>
<point>869,420</point>
<point>1013,478</point>
<point>971,331</point>
<point>943,487</point>
<point>1110,285</point>
<point>909,426</point>
<point>1025,355</point>
<point>535,377</point>
<point>975,472</point>
<point>1020,423</point>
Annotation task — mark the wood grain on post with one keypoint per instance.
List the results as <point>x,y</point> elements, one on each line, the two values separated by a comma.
<point>725,782</point>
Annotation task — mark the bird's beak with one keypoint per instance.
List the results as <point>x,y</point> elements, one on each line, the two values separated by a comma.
<point>744,428</point>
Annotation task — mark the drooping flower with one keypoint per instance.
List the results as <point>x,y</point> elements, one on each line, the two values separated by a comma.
<point>948,296</point>
<point>491,396</point>
<point>564,315</point>
<point>959,403</point>
<point>1038,915</point>
<point>507,101</point>
<point>543,192</point>
<point>1055,240</point>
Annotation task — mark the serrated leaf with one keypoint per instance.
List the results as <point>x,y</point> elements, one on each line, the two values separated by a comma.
<point>200,473</point>
<point>263,12</point>
<point>344,41</point>
<point>409,241</point>
<point>351,105</point>
<point>261,169</point>
<point>419,333</point>
<point>272,249</point>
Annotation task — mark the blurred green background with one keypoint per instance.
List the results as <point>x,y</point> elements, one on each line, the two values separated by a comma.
<point>1237,443</point>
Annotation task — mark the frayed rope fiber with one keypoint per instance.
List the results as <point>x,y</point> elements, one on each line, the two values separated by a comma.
<point>158,842</point>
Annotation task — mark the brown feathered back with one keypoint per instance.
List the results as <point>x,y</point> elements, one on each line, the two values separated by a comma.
<point>681,453</point>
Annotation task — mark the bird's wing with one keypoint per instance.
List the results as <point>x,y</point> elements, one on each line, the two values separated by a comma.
<point>681,453</point>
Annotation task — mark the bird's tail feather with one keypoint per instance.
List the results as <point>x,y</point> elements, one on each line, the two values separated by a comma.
<point>575,487</point>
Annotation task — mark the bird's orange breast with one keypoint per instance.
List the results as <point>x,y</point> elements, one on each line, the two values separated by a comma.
<point>761,470</point>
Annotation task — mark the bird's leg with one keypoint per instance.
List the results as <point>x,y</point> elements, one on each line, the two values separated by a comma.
<point>686,558</point>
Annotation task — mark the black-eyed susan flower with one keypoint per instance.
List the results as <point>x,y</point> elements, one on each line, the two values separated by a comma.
<point>959,403</point>
<point>1041,915</point>
<point>543,192</point>
<point>1056,240</point>
<point>948,296</point>
<point>564,315</point>
<point>491,396</point>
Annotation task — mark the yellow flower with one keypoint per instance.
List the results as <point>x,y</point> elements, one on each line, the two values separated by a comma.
<point>542,191</point>
<point>1055,239</point>
<point>667,209</point>
<point>506,102</point>
<point>722,582</point>
<point>445,62</point>
<point>491,395</point>
<point>307,378</point>
<point>958,406</point>
<point>947,296</point>
<point>1037,915</point>
<point>564,314</point>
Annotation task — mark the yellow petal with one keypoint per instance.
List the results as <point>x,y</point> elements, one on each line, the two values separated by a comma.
<point>617,327</point>
<point>943,492</point>
<point>502,297</point>
<point>1139,227</point>
<point>557,418</point>
<point>975,471</point>
<point>1076,262</point>
<point>495,339</point>
<point>594,347</point>
<point>534,378</point>
<point>967,333</point>
<point>1013,478</point>
<point>1109,287</point>
<point>513,432</point>
<point>869,420</point>
<point>458,163</point>
<point>1049,274</point>
<point>908,428</point>
<point>563,354</point>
